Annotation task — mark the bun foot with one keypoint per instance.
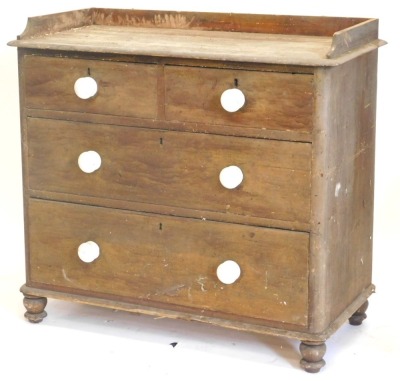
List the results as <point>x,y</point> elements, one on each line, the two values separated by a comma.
<point>359,316</point>
<point>312,355</point>
<point>35,305</point>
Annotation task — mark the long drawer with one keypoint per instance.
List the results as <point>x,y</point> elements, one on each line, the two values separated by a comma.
<point>168,260</point>
<point>172,168</point>
<point>124,89</point>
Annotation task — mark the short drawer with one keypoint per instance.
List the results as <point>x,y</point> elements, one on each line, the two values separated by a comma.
<point>172,168</point>
<point>165,260</point>
<point>280,101</point>
<point>124,89</point>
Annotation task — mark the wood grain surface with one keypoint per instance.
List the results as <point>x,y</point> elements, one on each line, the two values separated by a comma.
<point>343,187</point>
<point>303,40</point>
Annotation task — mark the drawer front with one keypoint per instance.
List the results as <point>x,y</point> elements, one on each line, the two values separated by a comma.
<point>122,88</point>
<point>280,101</point>
<point>158,259</point>
<point>172,168</point>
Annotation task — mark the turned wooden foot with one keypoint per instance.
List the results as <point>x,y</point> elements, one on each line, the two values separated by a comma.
<point>359,316</point>
<point>35,305</point>
<point>312,355</point>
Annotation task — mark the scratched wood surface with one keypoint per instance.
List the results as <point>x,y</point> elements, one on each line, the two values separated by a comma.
<point>256,38</point>
<point>154,258</point>
<point>231,22</point>
<point>188,44</point>
<point>204,45</point>
<point>173,168</point>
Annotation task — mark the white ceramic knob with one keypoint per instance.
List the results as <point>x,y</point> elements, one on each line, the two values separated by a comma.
<point>85,87</point>
<point>232,100</point>
<point>231,177</point>
<point>228,272</point>
<point>89,161</point>
<point>88,251</point>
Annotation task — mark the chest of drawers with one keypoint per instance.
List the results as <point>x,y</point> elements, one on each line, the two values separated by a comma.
<point>209,167</point>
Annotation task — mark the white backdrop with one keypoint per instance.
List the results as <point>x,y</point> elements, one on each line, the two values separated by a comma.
<point>88,342</point>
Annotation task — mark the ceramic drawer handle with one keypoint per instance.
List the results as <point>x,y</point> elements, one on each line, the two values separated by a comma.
<point>88,251</point>
<point>232,100</point>
<point>85,87</point>
<point>231,177</point>
<point>89,161</point>
<point>228,272</point>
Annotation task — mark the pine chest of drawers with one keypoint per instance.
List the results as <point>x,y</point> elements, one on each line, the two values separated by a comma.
<point>209,167</point>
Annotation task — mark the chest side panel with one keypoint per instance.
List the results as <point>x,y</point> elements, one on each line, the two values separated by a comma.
<point>342,188</point>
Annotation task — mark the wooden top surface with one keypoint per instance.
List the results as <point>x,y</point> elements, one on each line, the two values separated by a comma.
<point>248,38</point>
<point>162,42</point>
